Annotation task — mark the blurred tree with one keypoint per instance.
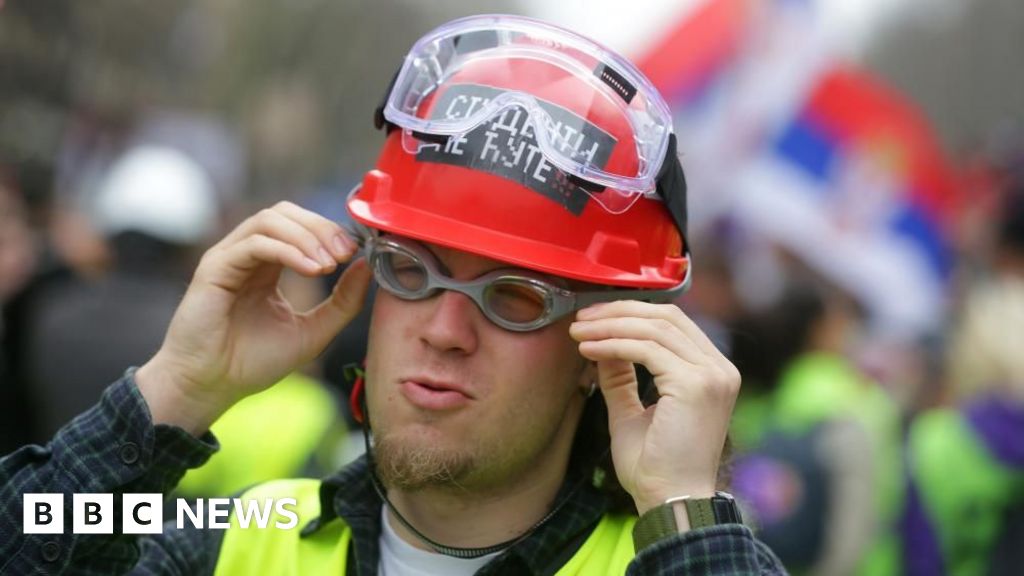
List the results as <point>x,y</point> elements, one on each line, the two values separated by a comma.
<point>305,77</point>
<point>298,78</point>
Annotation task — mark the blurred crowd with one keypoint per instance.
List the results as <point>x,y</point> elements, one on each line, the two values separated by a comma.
<point>856,451</point>
<point>864,452</point>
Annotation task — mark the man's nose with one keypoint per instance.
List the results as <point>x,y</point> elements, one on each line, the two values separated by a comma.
<point>452,323</point>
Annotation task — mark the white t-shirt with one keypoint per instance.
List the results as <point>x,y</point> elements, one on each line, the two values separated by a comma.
<point>399,558</point>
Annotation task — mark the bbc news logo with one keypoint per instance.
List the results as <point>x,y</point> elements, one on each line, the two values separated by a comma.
<point>144,513</point>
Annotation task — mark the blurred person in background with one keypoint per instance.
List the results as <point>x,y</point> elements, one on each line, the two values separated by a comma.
<point>965,507</point>
<point>508,438</point>
<point>17,243</point>
<point>18,260</point>
<point>817,441</point>
<point>61,249</point>
<point>1009,251</point>
<point>156,208</point>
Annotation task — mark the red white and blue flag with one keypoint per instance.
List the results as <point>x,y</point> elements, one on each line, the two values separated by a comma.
<point>820,156</point>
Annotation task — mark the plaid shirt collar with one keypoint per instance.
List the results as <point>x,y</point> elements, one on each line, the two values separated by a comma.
<point>349,494</point>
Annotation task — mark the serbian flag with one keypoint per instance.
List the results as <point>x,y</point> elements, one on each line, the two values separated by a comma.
<point>815,154</point>
<point>697,49</point>
<point>856,184</point>
<point>734,71</point>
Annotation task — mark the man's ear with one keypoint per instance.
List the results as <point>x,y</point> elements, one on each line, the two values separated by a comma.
<point>587,382</point>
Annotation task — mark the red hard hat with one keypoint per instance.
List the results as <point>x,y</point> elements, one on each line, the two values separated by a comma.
<point>505,203</point>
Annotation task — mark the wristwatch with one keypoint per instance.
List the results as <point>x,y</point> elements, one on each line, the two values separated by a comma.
<point>660,522</point>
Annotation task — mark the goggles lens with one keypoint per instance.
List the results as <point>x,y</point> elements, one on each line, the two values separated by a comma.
<point>514,299</point>
<point>402,272</point>
<point>516,302</point>
<point>445,70</point>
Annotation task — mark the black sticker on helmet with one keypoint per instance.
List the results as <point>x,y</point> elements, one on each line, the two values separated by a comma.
<point>506,144</point>
<point>616,82</point>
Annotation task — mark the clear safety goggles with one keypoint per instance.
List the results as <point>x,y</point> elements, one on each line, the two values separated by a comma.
<point>515,299</point>
<point>564,138</point>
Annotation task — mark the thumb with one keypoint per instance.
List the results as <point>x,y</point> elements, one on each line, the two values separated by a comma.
<point>344,303</point>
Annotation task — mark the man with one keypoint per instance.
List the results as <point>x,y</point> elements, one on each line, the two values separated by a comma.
<point>527,174</point>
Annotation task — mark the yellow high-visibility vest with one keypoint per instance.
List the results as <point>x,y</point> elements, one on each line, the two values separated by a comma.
<point>606,552</point>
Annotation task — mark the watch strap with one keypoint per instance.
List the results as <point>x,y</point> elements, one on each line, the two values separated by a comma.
<point>657,523</point>
<point>719,509</point>
<point>660,522</point>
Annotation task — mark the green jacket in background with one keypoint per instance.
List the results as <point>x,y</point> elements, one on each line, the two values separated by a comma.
<point>271,435</point>
<point>964,489</point>
<point>817,390</point>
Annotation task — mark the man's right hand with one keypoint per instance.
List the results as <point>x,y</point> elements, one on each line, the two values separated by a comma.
<point>234,334</point>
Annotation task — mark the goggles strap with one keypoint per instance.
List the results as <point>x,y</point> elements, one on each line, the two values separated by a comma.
<point>671,186</point>
<point>585,184</point>
<point>379,120</point>
<point>431,138</point>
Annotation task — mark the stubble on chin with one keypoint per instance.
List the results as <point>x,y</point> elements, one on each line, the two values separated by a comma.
<point>410,465</point>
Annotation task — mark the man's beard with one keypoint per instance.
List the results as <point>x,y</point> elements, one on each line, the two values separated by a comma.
<point>410,465</point>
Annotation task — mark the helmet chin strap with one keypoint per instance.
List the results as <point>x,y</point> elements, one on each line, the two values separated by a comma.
<point>465,553</point>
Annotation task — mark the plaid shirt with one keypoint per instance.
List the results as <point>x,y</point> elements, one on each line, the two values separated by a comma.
<point>114,447</point>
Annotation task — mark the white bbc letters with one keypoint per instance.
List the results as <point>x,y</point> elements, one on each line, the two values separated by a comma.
<point>219,508</point>
<point>92,514</point>
<point>185,511</point>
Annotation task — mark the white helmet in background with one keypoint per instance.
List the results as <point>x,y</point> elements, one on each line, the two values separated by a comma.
<point>160,192</point>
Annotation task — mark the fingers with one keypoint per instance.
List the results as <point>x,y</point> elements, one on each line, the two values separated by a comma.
<point>657,330</point>
<point>330,234</point>
<point>672,376</point>
<point>655,357</point>
<point>667,312</point>
<point>317,237</point>
<point>283,236</point>
<point>340,307</point>
<point>661,338</point>
<point>230,268</point>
